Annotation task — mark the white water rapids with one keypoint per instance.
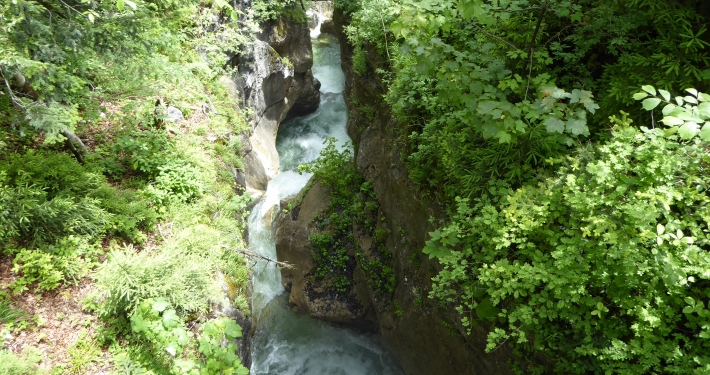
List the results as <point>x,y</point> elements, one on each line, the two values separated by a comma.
<point>286,343</point>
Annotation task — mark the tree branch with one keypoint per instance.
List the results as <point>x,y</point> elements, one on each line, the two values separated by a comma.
<point>532,44</point>
<point>251,255</point>
<point>494,36</point>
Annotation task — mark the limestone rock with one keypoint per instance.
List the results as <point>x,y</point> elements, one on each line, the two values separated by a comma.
<point>287,38</point>
<point>327,27</point>
<point>308,294</point>
<point>174,114</point>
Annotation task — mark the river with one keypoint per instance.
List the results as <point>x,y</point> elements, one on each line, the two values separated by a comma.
<point>286,343</point>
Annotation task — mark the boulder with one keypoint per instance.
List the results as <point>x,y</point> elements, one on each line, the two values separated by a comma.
<point>308,294</point>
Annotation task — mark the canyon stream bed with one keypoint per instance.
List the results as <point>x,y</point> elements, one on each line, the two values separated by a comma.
<point>286,343</point>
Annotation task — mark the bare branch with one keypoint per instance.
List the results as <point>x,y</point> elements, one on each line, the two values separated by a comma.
<point>251,255</point>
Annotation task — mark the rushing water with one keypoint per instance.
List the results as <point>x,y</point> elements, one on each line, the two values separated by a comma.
<point>286,343</point>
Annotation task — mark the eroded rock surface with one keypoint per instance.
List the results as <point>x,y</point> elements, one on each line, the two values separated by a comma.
<point>309,294</point>
<point>274,80</point>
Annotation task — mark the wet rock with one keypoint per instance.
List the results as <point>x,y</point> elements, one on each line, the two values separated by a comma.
<point>274,80</point>
<point>287,38</point>
<point>328,27</point>
<point>308,294</point>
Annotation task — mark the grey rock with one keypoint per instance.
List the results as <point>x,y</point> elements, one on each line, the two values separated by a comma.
<point>174,114</point>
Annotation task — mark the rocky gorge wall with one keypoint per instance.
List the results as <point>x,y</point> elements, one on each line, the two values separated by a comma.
<point>426,336</point>
<point>275,82</point>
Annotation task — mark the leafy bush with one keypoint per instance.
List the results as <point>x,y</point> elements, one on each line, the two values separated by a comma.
<point>126,278</point>
<point>602,267</point>
<point>177,181</point>
<point>684,115</point>
<point>46,196</point>
<point>141,151</point>
<point>25,364</point>
<point>67,261</point>
<point>168,339</point>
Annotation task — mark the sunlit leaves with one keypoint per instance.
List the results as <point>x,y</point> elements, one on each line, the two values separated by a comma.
<point>594,246</point>
<point>685,118</point>
<point>651,103</point>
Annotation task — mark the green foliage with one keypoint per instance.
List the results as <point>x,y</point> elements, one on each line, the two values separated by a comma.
<point>271,10</point>
<point>220,359</point>
<point>70,259</point>
<point>46,196</point>
<point>467,75</point>
<point>141,151</point>
<point>685,116</point>
<point>128,277</point>
<point>130,212</point>
<point>10,314</point>
<point>602,267</point>
<point>168,339</point>
<point>84,352</point>
<point>24,364</point>
<point>161,327</point>
<point>352,204</point>
<point>335,170</point>
<point>359,61</point>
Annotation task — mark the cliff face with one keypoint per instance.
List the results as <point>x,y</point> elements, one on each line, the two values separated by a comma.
<point>275,81</point>
<point>426,336</point>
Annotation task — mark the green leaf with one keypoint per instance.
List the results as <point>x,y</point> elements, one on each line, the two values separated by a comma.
<point>577,127</point>
<point>554,125</point>
<point>170,319</point>
<point>649,89</point>
<point>688,130</point>
<point>665,94</point>
<point>485,309</point>
<point>485,107</point>
<point>705,132</point>
<point>651,103</point>
<point>672,121</point>
<point>130,4</point>
<point>704,109</point>
<point>668,109</point>
<point>660,229</point>
<point>640,95</point>
<point>233,330</point>
<point>160,305</point>
<point>693,92</point>
<point>119,5</point>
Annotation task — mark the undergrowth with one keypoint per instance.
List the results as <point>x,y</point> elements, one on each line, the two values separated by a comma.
<point>352,208</point>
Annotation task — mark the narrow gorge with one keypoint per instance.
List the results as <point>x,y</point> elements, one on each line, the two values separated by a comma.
<point>284,342</point>
<point>424,337</point>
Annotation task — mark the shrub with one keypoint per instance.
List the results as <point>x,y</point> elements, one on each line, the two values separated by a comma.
<point>24,364</point>
<point>30,217</point>
<point>67,261</point>
<point>130,212</point>
<point>177,182</point>
<point>127,278</point>
<point>602,267</point>
<point>45,196</point>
